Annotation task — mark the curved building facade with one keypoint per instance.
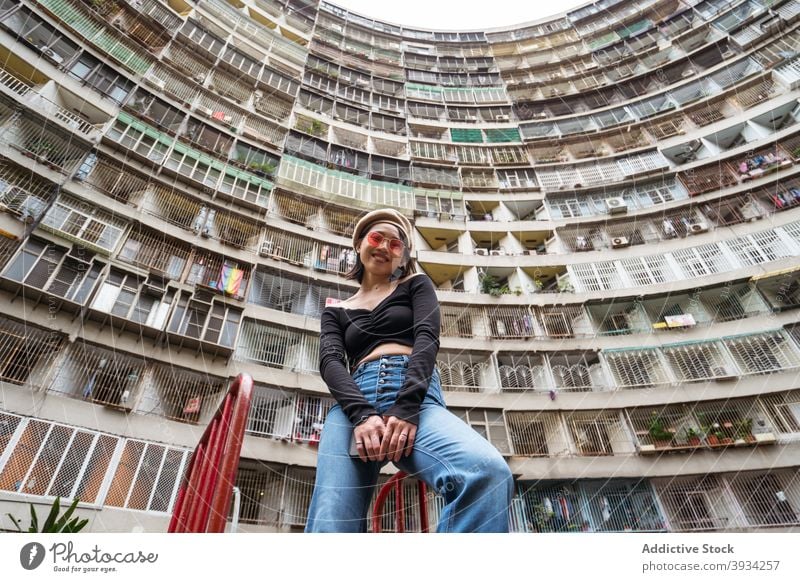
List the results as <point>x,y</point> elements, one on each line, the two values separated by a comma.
<point>607,201</point>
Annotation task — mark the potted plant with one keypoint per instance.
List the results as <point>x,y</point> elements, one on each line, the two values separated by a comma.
<point>744,431</point>
<point>713,433</point>
<point>658,432</point>
<point>693,437</point>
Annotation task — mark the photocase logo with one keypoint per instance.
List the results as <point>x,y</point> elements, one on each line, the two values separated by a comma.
<point>31,555</point>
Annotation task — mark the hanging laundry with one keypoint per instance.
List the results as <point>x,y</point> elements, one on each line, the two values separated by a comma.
<point>606,507</point>
<point>230,279</point>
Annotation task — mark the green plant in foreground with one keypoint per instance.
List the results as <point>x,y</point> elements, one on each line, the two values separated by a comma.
<point>54,523</point>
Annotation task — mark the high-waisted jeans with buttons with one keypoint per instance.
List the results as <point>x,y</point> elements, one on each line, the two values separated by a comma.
<point>448,455</point>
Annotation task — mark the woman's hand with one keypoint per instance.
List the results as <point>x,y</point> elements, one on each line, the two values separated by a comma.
<point>398,438</point>
<point>369,436</point>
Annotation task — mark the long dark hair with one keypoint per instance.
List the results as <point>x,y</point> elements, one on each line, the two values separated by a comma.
<point>408,266</point>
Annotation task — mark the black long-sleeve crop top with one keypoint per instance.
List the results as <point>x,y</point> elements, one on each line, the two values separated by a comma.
<point>409,315</point>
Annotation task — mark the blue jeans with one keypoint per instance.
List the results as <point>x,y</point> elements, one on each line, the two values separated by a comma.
<point>448,455</point>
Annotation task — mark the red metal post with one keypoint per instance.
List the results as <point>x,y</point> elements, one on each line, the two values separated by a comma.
<point>396,480</point>
<point>204,496</point>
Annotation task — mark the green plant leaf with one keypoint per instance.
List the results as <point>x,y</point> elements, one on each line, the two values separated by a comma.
<point>59,525</point>
<point>34,521</point>
<point>52,516</point>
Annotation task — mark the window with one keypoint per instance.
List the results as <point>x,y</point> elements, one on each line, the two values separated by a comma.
<point>101,77</point>
<point>49,268</point>
<point>490,424</point>
<point>83,221</point>
<point>216,323</point>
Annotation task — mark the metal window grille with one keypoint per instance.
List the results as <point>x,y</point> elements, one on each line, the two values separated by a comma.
<point>592,433</point>
<point>461,373</point>
<point>536,434</point>
<point>784,411</point>
<point>562,322</point>
<point>490,424</point>
<point>116,180</point>
<point>576,372</point>
<point>27,353</point>
<point>551,507</point>
<point>617,505</point>
<point>277,347</point>
<point>636,368</point>
<point>767,499</point>
<point>155,251</point>
<point>763,353</point>
<point>180,394</point>
<point>457,321</point>
<point>81,220</point>
<point>698,362</point>
<point>523,373</point>
<point>695,503</point>
<point>146,477</point>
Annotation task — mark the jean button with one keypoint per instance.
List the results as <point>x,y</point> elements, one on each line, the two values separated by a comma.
<point>381,381</point>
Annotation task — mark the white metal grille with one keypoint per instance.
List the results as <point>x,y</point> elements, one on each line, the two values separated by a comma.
<point>593,433</point>
<point>698,362</point>
<point>146,476</point>
<point>180,394</point>
<point>536,434</point>
<point>763,353</point>
<point>461,373</point>
<point>695,503</point>
<point>525,373</point>
<point>768,499</point>
<point>276,347</point>
<point>636,368</point>
<point>100,375</point>
<point>26,353</point>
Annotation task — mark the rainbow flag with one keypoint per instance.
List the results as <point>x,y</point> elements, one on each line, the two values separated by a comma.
<point>230,279</point>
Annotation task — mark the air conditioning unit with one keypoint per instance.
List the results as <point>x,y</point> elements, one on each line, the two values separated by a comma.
<point>727,53</point>
<point>497,252</point>
<point>267,248</point>
<point>616,205</point>
<point>688,73</point>
<point>481,252</point>
<point>470,118</point>
<point>620,242</point>
<point>362,82</point>
<point>198,78</point>
<point>53,55</point>
<point>722,373</point>
<point>501,117</point>
<point>698,227</point>
<point>204,110</point>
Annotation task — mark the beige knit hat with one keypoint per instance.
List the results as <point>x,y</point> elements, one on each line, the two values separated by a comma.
<point>389,215</point>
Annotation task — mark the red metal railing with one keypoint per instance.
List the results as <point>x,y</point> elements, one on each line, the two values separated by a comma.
<point>204,497</point>
<point>396,482</point>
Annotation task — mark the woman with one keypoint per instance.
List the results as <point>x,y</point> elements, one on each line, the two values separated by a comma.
<point>391,408</point>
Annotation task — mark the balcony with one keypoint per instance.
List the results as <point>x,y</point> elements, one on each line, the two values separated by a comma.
<point>201,322</point>
<point>126,301</point>
<point>27,353</point>
<point>277,347</point>
<point>287,416</point>
<point>43,271</point>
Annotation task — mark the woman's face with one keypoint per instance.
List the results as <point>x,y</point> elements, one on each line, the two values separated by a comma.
<point>381,257</point>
